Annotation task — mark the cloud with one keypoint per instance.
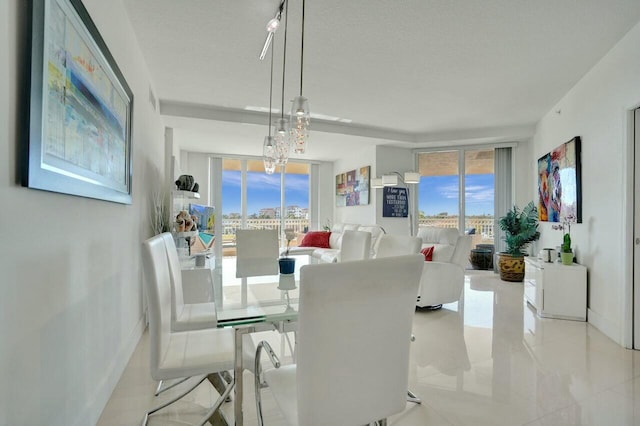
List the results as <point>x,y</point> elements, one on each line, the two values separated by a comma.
<point>479,194</point>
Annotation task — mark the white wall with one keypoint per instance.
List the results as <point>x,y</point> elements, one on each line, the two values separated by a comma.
<point>596,110</point>
<point>326,195</point>
<point>366,214</point>
<point>197,165</point>
<point>70,288</point>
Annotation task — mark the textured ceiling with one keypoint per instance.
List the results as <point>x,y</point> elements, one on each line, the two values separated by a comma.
<point>430,69</point>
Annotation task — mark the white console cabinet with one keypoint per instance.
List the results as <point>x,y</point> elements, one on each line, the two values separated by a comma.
<point>556,290</point>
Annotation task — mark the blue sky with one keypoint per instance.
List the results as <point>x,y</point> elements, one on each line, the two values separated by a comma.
<point>437,193</point>
<point>263,191</point>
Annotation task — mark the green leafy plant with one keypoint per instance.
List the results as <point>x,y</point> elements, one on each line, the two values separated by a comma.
<point>566,237</point>
<point>520,228</point>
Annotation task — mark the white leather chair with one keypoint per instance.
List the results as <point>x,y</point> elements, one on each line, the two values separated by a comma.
<point>443,282</point>
<point>356,245</point>
<point>186,316</point>
<point>397,245</point>
<point>256,252</point>
<point>180,354</point>
<point>354,334</point>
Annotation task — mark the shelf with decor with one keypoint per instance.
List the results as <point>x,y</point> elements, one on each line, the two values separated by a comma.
<point>180,218</point>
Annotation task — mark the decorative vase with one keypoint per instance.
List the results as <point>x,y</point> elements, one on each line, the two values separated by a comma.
<point>287,265</point>
<point>567,258</point>
<point>511,267</point>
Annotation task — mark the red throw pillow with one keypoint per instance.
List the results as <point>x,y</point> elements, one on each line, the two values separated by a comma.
<point>428,253</point>
<point>319,239</point>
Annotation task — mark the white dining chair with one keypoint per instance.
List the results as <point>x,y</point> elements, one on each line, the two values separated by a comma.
<point>353,344</point>
<point>398,245</point>
<point>256,252</point>
<point>186,316</point>
<point>356,245</point>
<point>180,354</point>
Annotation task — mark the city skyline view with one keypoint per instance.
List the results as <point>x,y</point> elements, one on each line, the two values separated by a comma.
<point>437,194</point>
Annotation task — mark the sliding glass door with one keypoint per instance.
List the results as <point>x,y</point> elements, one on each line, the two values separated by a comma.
<point>252,199</point>
<point>479,195</point>
<point>456,190</point>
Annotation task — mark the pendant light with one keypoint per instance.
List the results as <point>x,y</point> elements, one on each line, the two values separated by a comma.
<point>300,115</point>
<point>281,136</point>
<point>268,146</point>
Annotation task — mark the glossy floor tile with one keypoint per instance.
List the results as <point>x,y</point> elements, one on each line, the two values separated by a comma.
<point>487,360</point>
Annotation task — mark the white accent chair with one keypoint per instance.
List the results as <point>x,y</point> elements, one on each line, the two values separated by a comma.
<point>397,245</point>
<point>256,252</point>
<point>353,346</point>
<point>443,281</point>
<point>356,245</point>
<point>180,354</point>
<point>443,241</point>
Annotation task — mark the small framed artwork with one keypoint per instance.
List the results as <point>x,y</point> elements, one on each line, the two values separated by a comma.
<point>352,187</point>
<point>395,202</point>
<point>559,184</point>
<point>80,108</point>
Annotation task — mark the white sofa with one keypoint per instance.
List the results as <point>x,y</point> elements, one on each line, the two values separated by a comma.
<point>332,254</point>
<point>443,240</point>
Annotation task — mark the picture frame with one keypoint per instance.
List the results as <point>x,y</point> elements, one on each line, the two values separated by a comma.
<point>352,187</point>
<point>80,108</point>
<point>395,202</point>
<point>560,184</point>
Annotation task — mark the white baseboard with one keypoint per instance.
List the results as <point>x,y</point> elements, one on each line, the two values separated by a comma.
<point>606,326</point>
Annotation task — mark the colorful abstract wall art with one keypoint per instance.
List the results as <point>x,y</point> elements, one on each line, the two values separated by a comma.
<point>559,184</point>
<point>80,108</point>
<point>352,187</point>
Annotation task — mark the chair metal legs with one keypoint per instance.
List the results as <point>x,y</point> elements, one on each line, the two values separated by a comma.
<point>412,397</point>
<point>258,369</point>
<point>160,389</point>
<point>217,404</point>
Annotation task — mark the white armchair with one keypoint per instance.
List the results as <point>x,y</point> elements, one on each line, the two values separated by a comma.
<point>442,282</point>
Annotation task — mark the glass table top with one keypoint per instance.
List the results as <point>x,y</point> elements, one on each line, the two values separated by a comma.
<point>271,298</point>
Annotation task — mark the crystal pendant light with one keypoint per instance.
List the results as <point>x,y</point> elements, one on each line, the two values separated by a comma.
<point>268,146</point>
<point>282,143</point>
<point>268,155</point>
<point>300,115</point>
<point>281,135</point>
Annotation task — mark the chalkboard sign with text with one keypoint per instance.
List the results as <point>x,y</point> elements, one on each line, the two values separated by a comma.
<point>395,202</point>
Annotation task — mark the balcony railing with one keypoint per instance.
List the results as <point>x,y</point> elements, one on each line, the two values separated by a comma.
<point>483,227</point>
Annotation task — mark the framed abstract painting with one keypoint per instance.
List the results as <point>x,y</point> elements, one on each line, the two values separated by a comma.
<point>80,108</point>
<point>352,187</point>
<point>559,184</point>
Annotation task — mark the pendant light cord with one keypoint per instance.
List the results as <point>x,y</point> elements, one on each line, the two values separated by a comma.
<point>302,47</point>
<point>284,56</point>
<point>271,87</point>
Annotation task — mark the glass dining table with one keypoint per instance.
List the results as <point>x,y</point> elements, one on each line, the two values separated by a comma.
<point>252,305</point>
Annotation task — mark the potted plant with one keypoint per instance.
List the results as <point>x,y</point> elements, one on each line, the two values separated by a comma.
<point>287,264</point>
<point>521,229</point>
<point>566,254</point>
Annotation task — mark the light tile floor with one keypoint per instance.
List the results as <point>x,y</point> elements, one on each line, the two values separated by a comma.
<point>488,360</point>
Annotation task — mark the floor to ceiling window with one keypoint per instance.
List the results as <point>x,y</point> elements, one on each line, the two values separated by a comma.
<point>252,199</point>
<point>445,175</point>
